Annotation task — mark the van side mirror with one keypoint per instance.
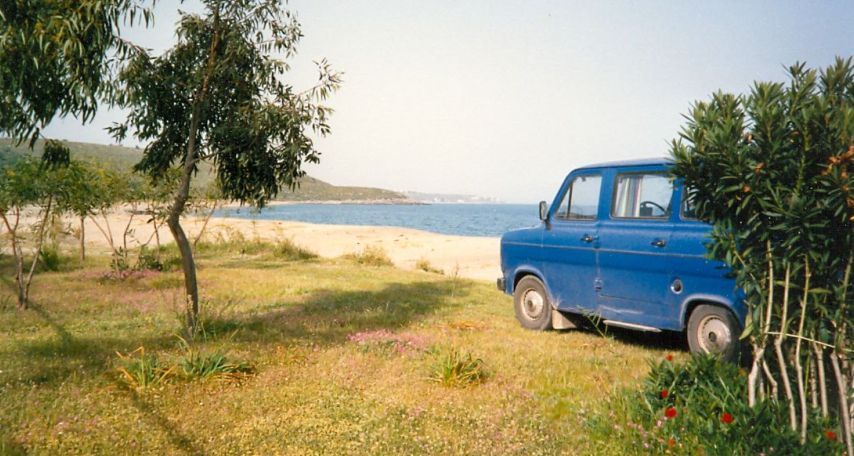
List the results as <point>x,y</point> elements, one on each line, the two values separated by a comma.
<point>544,211</point>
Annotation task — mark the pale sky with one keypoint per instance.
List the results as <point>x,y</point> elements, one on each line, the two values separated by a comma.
<point>502,99</point>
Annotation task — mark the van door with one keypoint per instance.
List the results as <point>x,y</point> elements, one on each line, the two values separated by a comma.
<point>634,267</point>
<point>570,243</point>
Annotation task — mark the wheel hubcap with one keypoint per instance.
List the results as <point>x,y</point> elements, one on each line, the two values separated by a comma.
<point>714,335</point>
<point>532,304</point>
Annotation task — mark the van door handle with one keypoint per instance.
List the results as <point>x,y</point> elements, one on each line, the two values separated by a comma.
<point>588,238</point>
<point>659,243</point>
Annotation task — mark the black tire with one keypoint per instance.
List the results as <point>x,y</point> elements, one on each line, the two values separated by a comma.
<point>531,303</point>
<point>713,329</point>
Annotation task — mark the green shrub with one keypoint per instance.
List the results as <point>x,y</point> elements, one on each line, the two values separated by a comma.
<point>458,369</point>
<point>148,261</point>
<point>371,256</point>
<point>700,408</point>
<point>141,370</point>
<point>49,258</point>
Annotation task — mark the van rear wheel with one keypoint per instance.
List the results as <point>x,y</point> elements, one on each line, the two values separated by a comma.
<point>714,330</point>
<point>531,303</point>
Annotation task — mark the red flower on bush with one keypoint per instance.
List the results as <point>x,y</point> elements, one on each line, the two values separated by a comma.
<point>669,357</point>
<point>663,394</point>
<point>671,442</point>
<point>830,435</point>
<point>726,418</point>
<point>670,412</point>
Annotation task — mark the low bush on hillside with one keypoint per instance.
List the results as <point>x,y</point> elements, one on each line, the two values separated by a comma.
<point>699,408</point>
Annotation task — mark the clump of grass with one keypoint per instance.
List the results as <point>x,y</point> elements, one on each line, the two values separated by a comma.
<point>233,241</point>
<point>166,282</point>
<point>371,256</point>
<point>141,370</point>
<point>458,369</point>
<point>49,258</point>
<point>199,365</point>
<point>288,250</point>
<point>424,265</point>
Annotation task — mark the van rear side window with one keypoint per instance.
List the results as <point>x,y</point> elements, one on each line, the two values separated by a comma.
<point>642,195</point>
<point>581,201</point>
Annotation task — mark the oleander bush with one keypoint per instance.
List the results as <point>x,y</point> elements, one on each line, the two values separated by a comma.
<point>698,408</point>
<point>773,172</point>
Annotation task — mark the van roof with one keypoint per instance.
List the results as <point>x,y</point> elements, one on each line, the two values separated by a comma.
<point>625,163</point>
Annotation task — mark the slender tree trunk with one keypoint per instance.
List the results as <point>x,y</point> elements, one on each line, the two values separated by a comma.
<point>38,251</point>
<point>822,382</point>
<point>157,237</point>
<point>774,390</point>
<point>799,371</point>
<point>82,238</point>
<point>758,355</point>
<point>781,359</point>
<point>205,224</point>
<point>18,255</point>
<point>812,374</point>
<point>188,264</point>
<point>127,229</point>
<point>844,411</point>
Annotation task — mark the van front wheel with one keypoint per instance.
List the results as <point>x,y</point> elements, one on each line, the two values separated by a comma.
<point>531,303</point>
<point>714,330</point>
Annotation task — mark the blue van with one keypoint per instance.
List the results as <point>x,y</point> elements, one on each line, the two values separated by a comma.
<point>620,244</point>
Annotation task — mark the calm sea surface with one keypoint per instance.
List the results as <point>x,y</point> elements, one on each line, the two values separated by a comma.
<point>458,219</point>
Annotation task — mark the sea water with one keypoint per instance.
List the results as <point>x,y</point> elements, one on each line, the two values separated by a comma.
<point>457,219</point>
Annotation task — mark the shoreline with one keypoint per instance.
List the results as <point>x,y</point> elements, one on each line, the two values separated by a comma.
<point>386,202</point>
<point>471,257</point>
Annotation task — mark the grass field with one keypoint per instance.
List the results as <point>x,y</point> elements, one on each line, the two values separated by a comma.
<point>342,353</point>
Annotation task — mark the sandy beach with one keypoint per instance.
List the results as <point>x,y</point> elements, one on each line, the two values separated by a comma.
<point>470,257</point>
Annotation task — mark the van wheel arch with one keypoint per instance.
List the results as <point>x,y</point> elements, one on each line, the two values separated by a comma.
<point>522,274</point>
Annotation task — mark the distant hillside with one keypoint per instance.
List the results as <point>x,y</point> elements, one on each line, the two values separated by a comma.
<point>315,189</point>
<point>123,158</point>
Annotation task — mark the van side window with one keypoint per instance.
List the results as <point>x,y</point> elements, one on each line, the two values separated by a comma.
<point>581,201</point>
<point>643,195</point>
<point>688,212</point>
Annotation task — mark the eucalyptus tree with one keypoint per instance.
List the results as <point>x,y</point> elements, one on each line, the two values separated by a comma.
<point>218,95</point>
<point>773,172</point>
<point>56,58</point>
<point>84,195</point>
<point>30,194</point>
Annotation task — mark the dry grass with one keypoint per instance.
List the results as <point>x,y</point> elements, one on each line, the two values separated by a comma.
<point>342,362</point>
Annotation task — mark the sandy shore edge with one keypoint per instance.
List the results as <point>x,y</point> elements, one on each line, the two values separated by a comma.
<point>471,257</point>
